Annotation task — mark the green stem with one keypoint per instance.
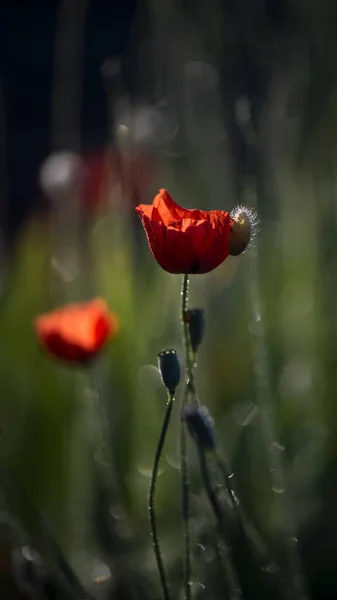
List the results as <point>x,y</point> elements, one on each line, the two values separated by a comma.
<point>185,511</point>
<point>187,339</point>
<point>152,492</point>
<point>183,453</point>
<point>222,466</point>
<point>233,583</point>
<point>246,528</point>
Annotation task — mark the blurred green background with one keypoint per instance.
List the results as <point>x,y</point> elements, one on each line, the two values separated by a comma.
<point>222,104</point>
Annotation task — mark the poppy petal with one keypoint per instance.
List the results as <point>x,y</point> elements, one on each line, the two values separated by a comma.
<point>155,233</point>
<point>214,253</point>
<point>178,254</point>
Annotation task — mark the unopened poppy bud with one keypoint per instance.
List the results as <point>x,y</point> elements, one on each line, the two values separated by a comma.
<point>169,367</point>
<point>243,229</point>
<point>197,323</point>
<point>200,424</point>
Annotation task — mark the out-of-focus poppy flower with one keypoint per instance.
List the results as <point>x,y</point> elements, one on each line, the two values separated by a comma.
<point>183,240</point>
<point>104,171</point>
<point>76,332</point>
<point>94,178</point>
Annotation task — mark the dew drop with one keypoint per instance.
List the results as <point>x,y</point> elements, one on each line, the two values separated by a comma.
<point>292,542</point>
<point>246,413</point>
<point>65,266</point>
<point>27,553</point>
<point>272,568</point>
<point>117,512</point>
<point>102,456</point>
<point>149,377</point>
<point>196,588</point>
<point>278,489</point>
<point>276,448</point>
<point>173,461</point>
<point>100,572</point>
<point>209,554</point>
<point>147,471</point>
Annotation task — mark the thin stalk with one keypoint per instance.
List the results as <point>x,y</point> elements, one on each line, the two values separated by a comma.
<point>245,526</point>
<point>189,354</point>
<point>233,583</point>
<point>152,493</point>
<point>183,452</point>
<point>185,512</point>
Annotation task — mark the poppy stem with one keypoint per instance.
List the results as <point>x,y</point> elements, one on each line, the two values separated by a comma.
<point>190,358</point>
<point>185,511</point>
<point>235,591</point>
<point>246,528</point>
<point>152,492</point>
<point>183,451</point>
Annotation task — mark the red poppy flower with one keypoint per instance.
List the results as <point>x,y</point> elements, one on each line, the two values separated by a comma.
<point>183,240</point>
<point>76,332</point>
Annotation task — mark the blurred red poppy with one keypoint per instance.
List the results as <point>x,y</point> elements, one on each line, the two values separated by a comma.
<point>106,170</point>
<point>76,332</point>
<point>183,240</point>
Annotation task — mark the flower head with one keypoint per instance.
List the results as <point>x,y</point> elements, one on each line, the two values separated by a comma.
<point>183,240</point>
<point>200,424</point>
<point>76,332</point>
<point>169,368</point>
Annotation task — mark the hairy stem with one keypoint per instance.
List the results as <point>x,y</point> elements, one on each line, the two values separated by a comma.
<point>189,354</point>
<point>183,454</point>
<point>152,493</point>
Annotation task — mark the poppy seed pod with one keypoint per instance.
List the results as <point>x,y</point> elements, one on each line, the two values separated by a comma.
<point>243,229</point>
<point>169,367</point>
<point>200,424</point>
<point>197,323</point>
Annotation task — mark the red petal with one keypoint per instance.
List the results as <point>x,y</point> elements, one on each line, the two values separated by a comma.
<point>216,250</point>
<point>178,253</point>
<point>144,210</point>
<point>155,233</point>
<point>169,210</point>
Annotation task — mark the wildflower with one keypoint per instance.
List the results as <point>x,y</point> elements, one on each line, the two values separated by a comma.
<point>196,321</point>
<point>169,367</point>
<point>183,240</point>
<point>76,332</point>
<point>200,425</point>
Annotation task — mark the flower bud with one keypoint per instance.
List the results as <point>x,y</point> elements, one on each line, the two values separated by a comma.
<point>200,424</point>
<point>197,323</point>
<point>243,229</point>
<point>169,367</point>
